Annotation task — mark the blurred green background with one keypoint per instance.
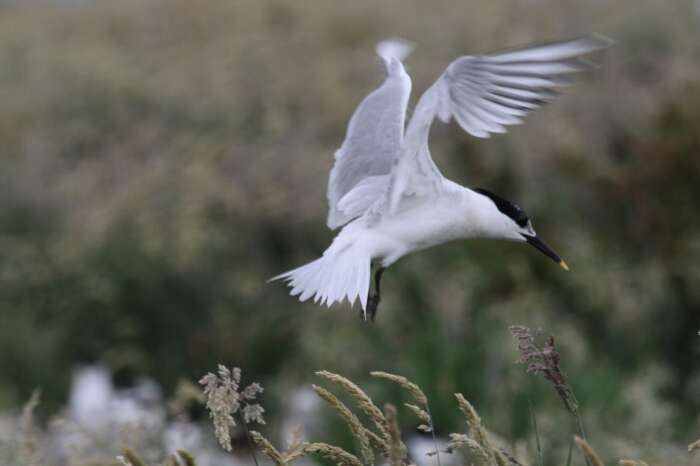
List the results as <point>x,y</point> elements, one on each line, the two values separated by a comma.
<point>162,159</point>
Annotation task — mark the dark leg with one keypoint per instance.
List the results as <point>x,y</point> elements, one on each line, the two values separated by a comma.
<point>374,298</point>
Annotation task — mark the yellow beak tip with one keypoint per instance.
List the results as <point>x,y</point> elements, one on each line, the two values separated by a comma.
<point>563,265</point>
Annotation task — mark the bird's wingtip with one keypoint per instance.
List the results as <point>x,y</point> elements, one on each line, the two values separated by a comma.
<point>394,48</point>
<point>598,41</point>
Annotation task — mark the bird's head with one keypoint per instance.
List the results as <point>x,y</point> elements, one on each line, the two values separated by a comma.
<point>510,222</point>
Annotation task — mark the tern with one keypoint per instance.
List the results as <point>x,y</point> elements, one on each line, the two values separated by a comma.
<point>386,191</point>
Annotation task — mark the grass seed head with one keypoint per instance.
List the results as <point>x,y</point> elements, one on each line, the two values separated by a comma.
<point>588,451</point>
<point>546,362</point>
<point>132,458</point>
<point>224,399</point>
<point>337,454</point>
<point>28,441</point>
<point>411,387</point>
<point>694,446</point>
<point>364,402</point>
<point>356,427</point>
<point>478,432</point>
<point>420,413</point>
<point>266,446</point>
<point>186,458</point>
<point>397,450</point>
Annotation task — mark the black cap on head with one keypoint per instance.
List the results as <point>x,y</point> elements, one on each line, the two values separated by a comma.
<point>507,208</point>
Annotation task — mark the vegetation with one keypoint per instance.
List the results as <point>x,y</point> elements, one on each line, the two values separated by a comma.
<point>379,443</point>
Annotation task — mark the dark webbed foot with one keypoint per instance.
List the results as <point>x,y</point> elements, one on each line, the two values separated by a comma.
<point>373,299</point>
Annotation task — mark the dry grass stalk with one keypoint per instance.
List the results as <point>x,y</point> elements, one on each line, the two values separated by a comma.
<point>224,398</point>
<point>377,442</point>
<point>422,415</point>
<point>478,432</point>
<point>186,458</point>
<point>337,454</point>
<point>588,451</point>
<point>694,446</point>
<point>266,446</point>
<point>474,451</point>
<point>545,361</point>
<point>294,453</point>
<point>418,394</point>
<point>295,447</point>
<point>28,441</point>
<point>364,402</point>
<point>632,463</point>
<point>511,460</point>
<point>356,427</point>
<point>132,458</point>
<point>186,394</point>
<point>412,388</point>
<point>473,420</point>
<point>397,450</point>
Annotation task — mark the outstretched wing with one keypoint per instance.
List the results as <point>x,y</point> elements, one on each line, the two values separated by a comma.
<point>374,137</point>
<point>484,94</point>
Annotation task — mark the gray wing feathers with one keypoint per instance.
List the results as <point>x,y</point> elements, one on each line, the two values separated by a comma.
<point>363,195</point>
<point>486,93</point>
<point>373,139</point>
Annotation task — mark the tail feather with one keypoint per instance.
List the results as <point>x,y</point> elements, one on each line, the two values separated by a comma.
<point>331,278</point>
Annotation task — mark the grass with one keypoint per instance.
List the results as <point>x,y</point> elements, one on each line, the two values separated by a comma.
<point>377,436</point>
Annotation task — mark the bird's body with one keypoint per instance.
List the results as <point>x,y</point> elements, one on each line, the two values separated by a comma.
<point>387,191</point>
<point>420,223</point>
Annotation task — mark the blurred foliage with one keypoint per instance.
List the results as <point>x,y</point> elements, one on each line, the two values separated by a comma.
<point>161,160</point>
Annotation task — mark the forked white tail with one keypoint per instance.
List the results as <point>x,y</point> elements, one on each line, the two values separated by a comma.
<point>340,273</point>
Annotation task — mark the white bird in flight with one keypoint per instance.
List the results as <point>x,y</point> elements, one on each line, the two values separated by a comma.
<point>388,192</point>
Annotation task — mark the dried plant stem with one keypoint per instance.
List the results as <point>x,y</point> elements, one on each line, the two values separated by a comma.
<point>540,460</point>
<point>405,383</point>
<point>588,451</point>
<point>571,453</point>
<point>478,432</point>
<point>432,433</point>
<point>186,458</point>
<point>694,446</point>
<point>458,441</point>
<point>337,454</point>
<point>356,427</point>
<point>546,362</point>
<point>419,396</point>
<point>397,450</point>
<point>376,441</point>
<point>267,447</point>
<point>579,425</point>
<point>364,402</point>
<point>28,445</point>
<point>251,444</point>
<point>294,454</point>
<point>133,458</point>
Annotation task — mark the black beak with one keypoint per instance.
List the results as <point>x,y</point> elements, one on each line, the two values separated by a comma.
<point>546,250</point>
